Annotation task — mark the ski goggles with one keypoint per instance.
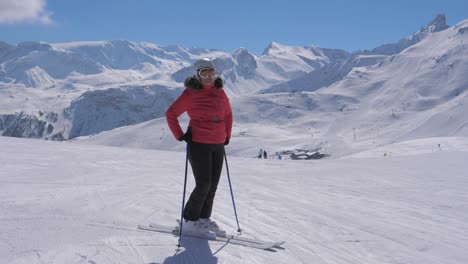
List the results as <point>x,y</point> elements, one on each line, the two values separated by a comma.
<point>207,72</point>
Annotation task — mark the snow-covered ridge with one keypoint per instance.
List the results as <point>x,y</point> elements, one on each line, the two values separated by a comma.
<point>62,59</point>
<point>337,69</point>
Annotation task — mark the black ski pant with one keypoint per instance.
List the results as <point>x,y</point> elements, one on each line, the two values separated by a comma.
<point>207,164</point>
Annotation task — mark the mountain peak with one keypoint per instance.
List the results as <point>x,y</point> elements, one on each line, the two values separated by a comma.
<point>241,52</point>
<point>272,46</point>
<point>438,23</point>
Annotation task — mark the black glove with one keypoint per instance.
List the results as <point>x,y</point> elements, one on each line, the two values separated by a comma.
<point>187,137</point>
<point>226,142</point>
<point>193,83</point>
<point>218,82</point>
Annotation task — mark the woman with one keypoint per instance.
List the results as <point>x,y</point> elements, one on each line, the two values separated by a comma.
<point>209,131</point>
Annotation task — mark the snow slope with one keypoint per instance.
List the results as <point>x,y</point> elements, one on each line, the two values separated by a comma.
<point>418,93</point>
<point>274,122</point>
<point>416,147</point>
<point>62,202</point>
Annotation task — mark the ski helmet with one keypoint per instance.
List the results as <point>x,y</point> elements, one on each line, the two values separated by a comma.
<point>204,63</point>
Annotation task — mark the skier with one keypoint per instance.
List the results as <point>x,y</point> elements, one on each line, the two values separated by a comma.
<point>260,153</point>
<point>265,156</point>
<point>208,132</point>
<point>278,155</point>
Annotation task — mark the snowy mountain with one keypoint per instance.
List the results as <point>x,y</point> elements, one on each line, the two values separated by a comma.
<point>287,98</point>
<point>245,73</point>
<point>61,60</point>
<point>292,62</point>
<point>59,79</point>
<point>336,71</point>
<point>418,93</point>
<point>64,79</point>
<point>326,75</point>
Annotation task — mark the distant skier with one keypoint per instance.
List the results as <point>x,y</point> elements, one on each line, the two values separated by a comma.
<point>265,155</point>
<point>260,153</point>
<point>209,131</point>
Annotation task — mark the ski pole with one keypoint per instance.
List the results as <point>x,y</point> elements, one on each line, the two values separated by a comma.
<point>232,194</point>
<point>183,196</point>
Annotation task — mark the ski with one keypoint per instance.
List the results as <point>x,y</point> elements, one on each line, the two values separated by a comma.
<point>277,244</point>
<point>251,240</point>
<point>232,240</point>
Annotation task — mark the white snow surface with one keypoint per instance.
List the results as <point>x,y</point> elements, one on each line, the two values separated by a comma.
<point>63,202</point>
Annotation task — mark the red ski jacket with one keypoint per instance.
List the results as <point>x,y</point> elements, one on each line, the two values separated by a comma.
<point>209,111</point>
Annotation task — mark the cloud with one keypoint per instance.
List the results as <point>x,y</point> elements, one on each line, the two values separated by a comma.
<point>20,11</point>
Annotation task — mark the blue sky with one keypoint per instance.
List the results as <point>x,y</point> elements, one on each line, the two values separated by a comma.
<point>224,25</point>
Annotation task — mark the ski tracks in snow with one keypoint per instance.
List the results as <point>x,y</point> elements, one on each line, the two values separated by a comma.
<point>368,210</point>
